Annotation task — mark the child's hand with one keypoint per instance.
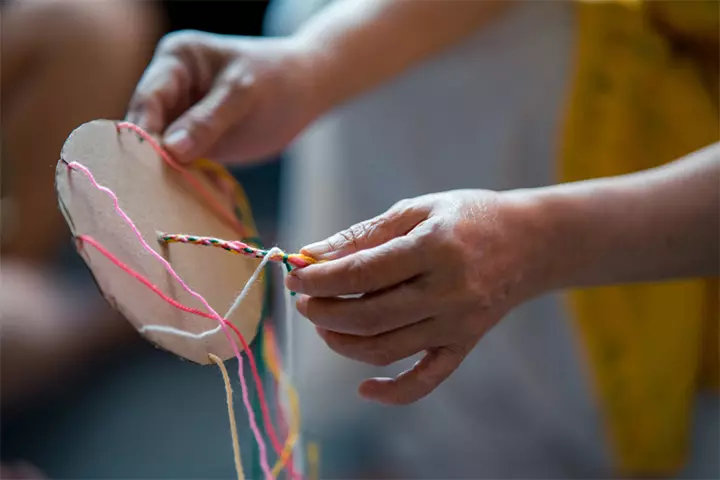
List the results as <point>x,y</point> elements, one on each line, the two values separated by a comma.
<point>229,98</point>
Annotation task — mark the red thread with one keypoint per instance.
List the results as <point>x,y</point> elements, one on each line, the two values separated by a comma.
<point>217,206</point>
<point>88,239</point>
<point>194,311</point>
<point>284,427</point>
<point>261,395</point>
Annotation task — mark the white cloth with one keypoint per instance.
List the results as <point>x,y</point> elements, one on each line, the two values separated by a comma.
<point>485,114</point>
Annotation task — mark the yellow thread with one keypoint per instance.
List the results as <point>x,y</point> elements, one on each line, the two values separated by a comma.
<point>269,355</point>
<point>181,238</point>
<point>313,455</point>
<point>240,197</point>
<point>231,415</point>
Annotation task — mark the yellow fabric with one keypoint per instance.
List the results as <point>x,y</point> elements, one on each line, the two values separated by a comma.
<point>638,102</point>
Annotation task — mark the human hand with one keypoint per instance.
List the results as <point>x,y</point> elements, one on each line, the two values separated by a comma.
<point>434,274</point>
<point>229,98</point>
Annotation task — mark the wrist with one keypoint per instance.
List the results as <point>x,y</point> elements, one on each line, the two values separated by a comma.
<point>318,69</point>
<point>548,255</point>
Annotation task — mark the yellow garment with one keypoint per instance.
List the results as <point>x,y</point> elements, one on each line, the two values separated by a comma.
<point>640,101</point>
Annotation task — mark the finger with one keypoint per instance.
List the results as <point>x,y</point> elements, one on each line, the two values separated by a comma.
<point>162,90</point>
<point>195,132</point>
<point>396,222</point>
<point>384,266</point>
<point>383,350</point>
<point>416,383</point>
<point>371,314</point>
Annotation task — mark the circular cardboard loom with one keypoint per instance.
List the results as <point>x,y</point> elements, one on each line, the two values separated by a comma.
<point>157,198</point>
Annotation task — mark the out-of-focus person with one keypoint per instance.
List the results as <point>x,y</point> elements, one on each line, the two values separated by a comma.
<point>552,91</point>
<point>418,97</point>
<point>64,62</point>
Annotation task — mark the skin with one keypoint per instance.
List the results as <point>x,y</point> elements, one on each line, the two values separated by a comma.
<point>91,51</point>
<point>434,273</point>
<point>242,99</point>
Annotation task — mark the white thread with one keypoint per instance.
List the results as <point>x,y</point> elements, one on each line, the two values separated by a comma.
<point>246,289</point>
<point>288,327</point>
<point>233,308</point>
<point>286,373</point>
<point>178,332</point>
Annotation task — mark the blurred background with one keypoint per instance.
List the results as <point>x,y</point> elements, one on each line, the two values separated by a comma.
<point>84,397</point>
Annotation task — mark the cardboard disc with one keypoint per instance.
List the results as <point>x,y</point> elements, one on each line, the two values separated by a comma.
<point>156,198</point>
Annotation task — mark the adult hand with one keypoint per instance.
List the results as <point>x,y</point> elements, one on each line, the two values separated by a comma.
<point>229,98</point>
<point>434,274</point>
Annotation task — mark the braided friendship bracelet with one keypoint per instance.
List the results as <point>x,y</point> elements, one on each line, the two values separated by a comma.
<point>290,260</point>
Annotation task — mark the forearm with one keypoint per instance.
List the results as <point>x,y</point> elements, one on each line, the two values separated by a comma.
<point>355,45</point>
<point>654,225</point>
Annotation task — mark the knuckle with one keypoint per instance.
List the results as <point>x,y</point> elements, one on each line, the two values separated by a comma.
<point>353,235</point>
<point>309,309</point>
<point>239,81</point>
<point>443,241</point>
<point>141,101</point>
<point>358,273</point>
<point>380,358</point>
<point>201,124</point>
<point>402,205</point>
<point>456,351</point>
<point>335,343</point>
<point>176,42</point>
<point>371,324</point>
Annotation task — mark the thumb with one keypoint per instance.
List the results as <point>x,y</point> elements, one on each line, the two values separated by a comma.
<point>196,131</point>
<point>396,222</point>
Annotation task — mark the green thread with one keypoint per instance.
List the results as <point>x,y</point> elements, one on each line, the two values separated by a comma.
<point>289,269</point>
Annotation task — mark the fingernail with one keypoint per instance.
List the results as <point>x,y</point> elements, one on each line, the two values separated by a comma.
<point>301,305</point>
<point>179,141</point>
<point>292,282</point>
<point>316,250</point>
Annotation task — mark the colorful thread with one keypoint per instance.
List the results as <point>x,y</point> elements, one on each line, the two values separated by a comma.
<point>231,416</point>
<point>212,201</point>
<point>272,358</point>
<point>313,453</point>
<point>184,308</point>
<point>235,305</point>
<point>245,216</point>
<point>213,314</point>
<point>297,260</point>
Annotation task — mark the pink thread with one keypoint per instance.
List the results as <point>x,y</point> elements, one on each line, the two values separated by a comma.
<point>251,415</point>
<point>122,266</point>
<point>217,206</point>
<point>222,211</point>
<point>263,402</point>
<point>284,426</point>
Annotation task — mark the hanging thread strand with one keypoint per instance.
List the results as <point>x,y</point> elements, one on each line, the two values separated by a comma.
<point>276,255</point>
<point>231,416</point>
<point>193,311</point>
<point>272,358</point>
<point>215,315</point>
